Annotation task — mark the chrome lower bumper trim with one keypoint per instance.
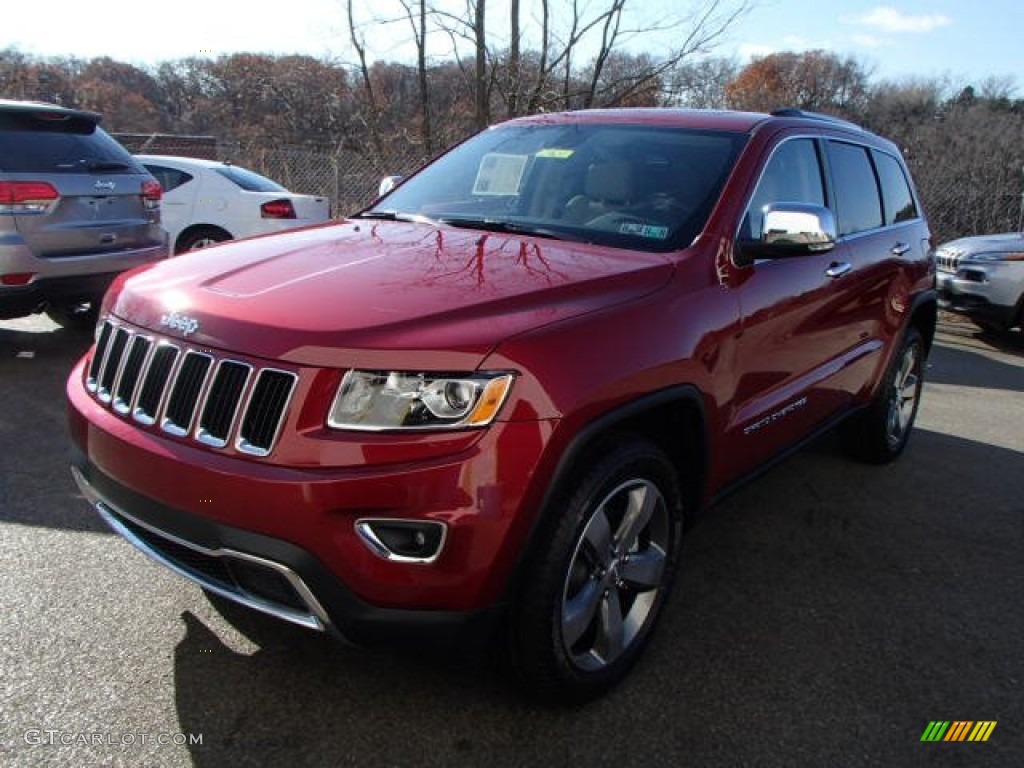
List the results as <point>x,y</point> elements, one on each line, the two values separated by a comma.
<point>314,618</point>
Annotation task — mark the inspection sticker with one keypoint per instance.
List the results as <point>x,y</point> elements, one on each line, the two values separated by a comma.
<point>643,230</point>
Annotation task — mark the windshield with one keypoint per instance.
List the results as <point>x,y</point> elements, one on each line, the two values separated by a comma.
<point>629,186</point>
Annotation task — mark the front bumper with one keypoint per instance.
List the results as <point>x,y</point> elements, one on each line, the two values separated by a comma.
<point>986,291</point>
<point>283,581</point>
<point>283,540</point>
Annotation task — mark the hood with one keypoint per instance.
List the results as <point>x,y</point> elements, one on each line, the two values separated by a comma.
<point>359,291</point>
<point>1005,242</point>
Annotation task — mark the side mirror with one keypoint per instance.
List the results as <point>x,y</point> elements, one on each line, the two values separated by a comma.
<point>387,184</point>
<point>790,230</point>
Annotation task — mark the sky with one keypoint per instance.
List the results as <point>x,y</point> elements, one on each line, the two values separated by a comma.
<point>966,41</point>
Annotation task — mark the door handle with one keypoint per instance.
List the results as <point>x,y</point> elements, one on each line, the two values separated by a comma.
<point>899,249</point>
<point>838,269</point>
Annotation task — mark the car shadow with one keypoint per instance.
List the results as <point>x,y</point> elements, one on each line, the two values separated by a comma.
<point>35,483</point>
<point>828,610</point>
<point>967,367</point>
<point>954,328</point>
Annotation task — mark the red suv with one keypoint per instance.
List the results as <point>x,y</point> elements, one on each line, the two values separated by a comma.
<point>492,402</point>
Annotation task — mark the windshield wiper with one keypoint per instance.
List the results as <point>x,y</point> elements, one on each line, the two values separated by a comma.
<point>415,218</point>
<point>510,227</point>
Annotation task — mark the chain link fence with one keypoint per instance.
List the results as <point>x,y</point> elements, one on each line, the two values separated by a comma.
<point>969,201</point>
<point>350,179</point>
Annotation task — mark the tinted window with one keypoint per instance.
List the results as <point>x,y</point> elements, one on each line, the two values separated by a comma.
<point>858,207</point>
<point>169,178</point>
<point>896,195</point>
<point>48,143</point>
<point>249,181</point>
<point>793,175</point>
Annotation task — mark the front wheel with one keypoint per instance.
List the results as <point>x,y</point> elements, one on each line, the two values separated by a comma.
<point>599,579</point>
<point>879,434</point>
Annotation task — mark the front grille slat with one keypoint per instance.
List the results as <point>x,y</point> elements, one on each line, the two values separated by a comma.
<point>138,351</point>
<point>184,398</point>
<point>222,403</point>
<point>111,366</point>
<point>265,411</point>
<point>157,381</point>
<point>98,356</point>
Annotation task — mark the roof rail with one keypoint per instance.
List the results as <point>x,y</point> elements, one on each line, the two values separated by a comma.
<point>794,112</point>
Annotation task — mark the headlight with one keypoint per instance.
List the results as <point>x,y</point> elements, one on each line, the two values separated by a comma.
<point>376,400</point>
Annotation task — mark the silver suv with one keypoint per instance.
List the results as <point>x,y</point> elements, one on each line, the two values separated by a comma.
<point>983,278</point>
<point>75,210</point>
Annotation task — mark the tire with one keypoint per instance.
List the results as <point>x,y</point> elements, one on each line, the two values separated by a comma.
<point>599,577</point>
<point>879,434</point>
<point>202,237</point>
<point>77,316</point>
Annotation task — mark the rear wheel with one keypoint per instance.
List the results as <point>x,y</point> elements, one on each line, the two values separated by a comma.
<point>599,579</point>
<point>202,237</point>
<point>879,434</point>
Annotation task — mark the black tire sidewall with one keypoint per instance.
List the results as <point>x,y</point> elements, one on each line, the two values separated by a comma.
<point>867,435</point>
<point>185,244</point>
<point>538,651</point>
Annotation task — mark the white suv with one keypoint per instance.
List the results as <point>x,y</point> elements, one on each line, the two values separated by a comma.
<point>983,278</point>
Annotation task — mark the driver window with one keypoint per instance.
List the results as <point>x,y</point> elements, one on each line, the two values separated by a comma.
<point>793,175</point>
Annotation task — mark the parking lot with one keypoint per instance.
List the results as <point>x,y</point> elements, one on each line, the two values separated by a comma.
<point>825,614</point>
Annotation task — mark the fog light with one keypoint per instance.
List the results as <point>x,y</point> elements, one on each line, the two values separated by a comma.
<point>406,541</point>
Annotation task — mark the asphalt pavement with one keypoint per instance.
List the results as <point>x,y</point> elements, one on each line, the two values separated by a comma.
<point>825,615</point>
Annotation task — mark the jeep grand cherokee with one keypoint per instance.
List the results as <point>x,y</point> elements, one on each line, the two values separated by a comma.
<point>492,402</point>
<point>75,210</point>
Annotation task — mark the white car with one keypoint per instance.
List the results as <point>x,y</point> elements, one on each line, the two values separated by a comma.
<point>207,202</point>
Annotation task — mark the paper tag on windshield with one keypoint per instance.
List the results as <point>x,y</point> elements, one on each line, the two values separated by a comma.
<point>499,174</point>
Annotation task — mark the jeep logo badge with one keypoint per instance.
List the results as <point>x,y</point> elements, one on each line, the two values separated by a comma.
<point>107,186</point>
<point>187,325</point>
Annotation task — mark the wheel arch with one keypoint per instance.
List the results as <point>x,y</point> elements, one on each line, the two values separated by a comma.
<point>924,313</point>
<point>674,419</point>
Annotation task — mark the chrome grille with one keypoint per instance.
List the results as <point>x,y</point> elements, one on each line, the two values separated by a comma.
<point>190,393</point>
<point>947,260</point>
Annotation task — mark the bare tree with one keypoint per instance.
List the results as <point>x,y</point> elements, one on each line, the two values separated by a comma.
<point>359,45</point>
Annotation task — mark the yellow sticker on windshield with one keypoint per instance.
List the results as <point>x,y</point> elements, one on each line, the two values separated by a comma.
<point>560,154</point>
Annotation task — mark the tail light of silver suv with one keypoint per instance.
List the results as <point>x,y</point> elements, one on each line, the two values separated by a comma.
<point>26,198</point>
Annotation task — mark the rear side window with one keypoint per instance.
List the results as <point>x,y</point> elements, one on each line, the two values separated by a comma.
<point>793,175</point>
<point>858,206</point>
<point>47,143</point>
<point>249,181</point>
<point>169,178</point>
<point>896,195</point>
